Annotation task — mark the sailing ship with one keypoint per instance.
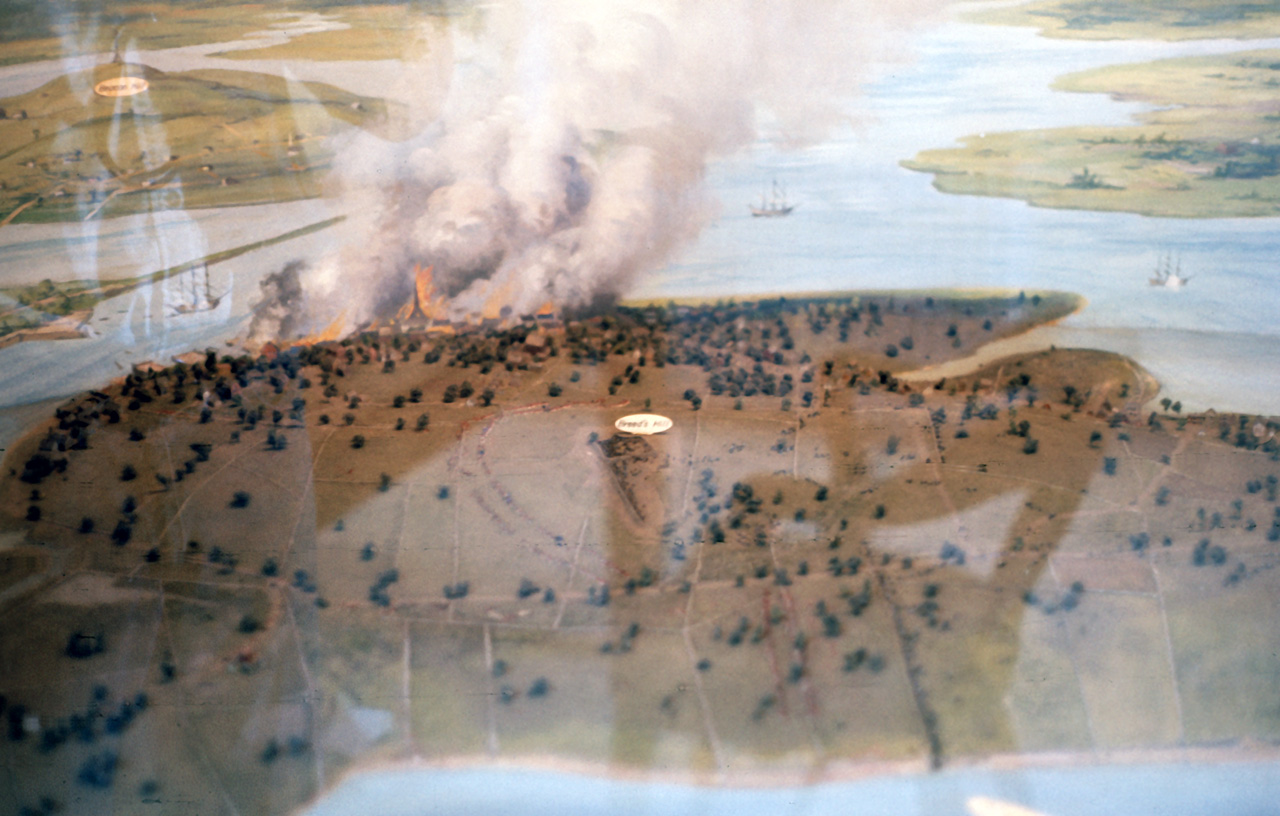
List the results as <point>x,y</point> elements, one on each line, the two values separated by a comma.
<point>195,293</point>
<point>1168,274</point>
<point>774,206</point>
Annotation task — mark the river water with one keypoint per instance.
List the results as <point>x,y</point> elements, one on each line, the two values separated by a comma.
<point>861,221</point>
<point>1094,790</point>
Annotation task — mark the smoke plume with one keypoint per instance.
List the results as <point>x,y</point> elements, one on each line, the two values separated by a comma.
<point>569,143</point>
<point>282,298</point>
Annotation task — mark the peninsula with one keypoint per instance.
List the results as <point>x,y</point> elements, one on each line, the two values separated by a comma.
<point>229,581</point>
<point>1206,149</point>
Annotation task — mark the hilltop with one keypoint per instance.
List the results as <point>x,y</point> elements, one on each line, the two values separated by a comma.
<point>192,139</point>
<point>230,580</point>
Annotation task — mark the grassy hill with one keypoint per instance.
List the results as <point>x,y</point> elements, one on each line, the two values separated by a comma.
<point>192,139</point>
<point>1141,19</point>
<point>229,582</point>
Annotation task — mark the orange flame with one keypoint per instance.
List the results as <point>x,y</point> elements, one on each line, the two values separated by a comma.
<point>331,332</point>
<point>424,287</point>
<point>497,299</point>
<point>424,304</point>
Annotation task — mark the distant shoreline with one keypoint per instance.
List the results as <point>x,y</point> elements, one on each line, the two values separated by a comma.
<point>834,773</point>
<point>953,293</point>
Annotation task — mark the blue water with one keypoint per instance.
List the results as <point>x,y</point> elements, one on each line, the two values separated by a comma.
<point>1244,789</point>
<point>862,221</point>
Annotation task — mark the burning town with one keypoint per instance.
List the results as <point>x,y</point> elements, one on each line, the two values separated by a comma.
<point>401,410</point>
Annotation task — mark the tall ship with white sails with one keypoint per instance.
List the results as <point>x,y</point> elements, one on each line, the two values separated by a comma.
<point>774,206</point>
<point>192,291</point>
<point>1168,274</point>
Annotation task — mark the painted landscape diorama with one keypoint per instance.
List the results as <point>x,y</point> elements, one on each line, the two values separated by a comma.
<point>785,407</point>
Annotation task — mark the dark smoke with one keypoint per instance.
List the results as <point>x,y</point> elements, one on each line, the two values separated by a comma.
<point>275,316</point>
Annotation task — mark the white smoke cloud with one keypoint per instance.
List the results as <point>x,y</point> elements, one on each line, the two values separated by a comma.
<point>569,151</point>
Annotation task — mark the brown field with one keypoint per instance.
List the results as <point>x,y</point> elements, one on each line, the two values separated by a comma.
<point>883,574</point>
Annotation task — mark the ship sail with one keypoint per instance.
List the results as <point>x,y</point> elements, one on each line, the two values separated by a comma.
<point>775,205</point>
<point>1168,273</point>
<point>194,293</point>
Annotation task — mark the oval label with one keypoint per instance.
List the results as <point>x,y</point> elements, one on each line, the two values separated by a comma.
<point>121,86</point>
<point>643,423</point>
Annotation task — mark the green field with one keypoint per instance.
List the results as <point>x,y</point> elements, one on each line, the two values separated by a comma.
<point>818,566</point>
<point>372,32</point>
<point>192,139</point>
<point>1140,19</point>
<point>36,30</point>
<point>1209,151</point>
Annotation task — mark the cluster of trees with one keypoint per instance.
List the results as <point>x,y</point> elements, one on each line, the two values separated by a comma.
<point>1023,429</point>
<point>1066,602</point>
<point>40,466</point>
<point>1208,553</point>
<point>226,561</point>
<point>378,592</point>
<point>453,393</point>
<point>539,688</point>
<point>929,607</point>
<point>99,770</point>
<point>646,578</point>
<point>1270,483</point>
<point>838,567</point>
<point>831,627</point>
<point>81,646</point>
<point>951,554</point>
<point>624,641</point>
<point>528,588</point>
<point>736,635</point>
<point>302,581</point>
<point>83,725</point>
<point>47,806</point>
<point>743,495</point>
<point>294,746</point>
<point>598,595</point>
<point>860,658</point>
<point>743,383</point>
